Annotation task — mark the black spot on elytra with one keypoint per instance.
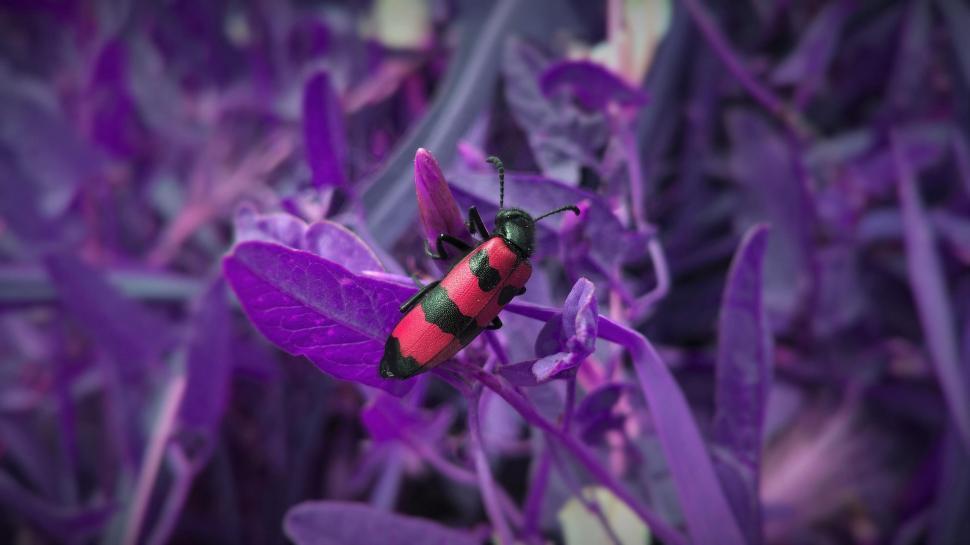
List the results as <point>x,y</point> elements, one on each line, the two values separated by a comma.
<point>488,276</point>
<point>394,364</point>
<point>469,334</point>
<point>441,311</point>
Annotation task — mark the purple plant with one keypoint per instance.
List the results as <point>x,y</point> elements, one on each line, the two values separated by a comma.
<point>756,330</point>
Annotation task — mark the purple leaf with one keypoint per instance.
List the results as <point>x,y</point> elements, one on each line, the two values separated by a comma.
<point>537,195</point>
<point>346,523</point>
<point>595,414</point>
<point>279,227</point>
<point>706,510</point>
<point>743,382</point>
<point>763,162</point>
<point>325,238</point>
<point>577,334</point>
<point>336,243</point>
<point>592,85</point>
<point>131,334</point>
<point>927,281</point>
<point>956,15</point>
<point>562,137</point>
<point>19,203</point>
<point>807,65</point>
<point>66,525</point>
<point>115,123</point>
<point>437,209</point>
<point>389,418</point>
<point>208,362</point>
<point>312,307</point>
<point>323,132</point>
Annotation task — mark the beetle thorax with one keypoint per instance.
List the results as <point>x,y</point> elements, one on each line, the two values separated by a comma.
<point>517,228</point>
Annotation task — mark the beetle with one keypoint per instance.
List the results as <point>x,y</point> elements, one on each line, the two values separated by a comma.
<point>446,315</point>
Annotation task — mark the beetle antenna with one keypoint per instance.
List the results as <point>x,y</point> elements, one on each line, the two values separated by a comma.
<point>497,163</point>
<point>574,209</point>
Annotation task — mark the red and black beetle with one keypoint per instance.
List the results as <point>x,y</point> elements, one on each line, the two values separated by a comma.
<point>447,314</point>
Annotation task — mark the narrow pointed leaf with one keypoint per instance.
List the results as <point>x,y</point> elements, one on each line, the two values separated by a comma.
<point>743,382</point>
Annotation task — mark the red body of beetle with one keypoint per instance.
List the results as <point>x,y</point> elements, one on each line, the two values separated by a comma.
<point>446,315</point>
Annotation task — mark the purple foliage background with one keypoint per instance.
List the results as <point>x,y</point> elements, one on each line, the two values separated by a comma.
<point>757,330</point>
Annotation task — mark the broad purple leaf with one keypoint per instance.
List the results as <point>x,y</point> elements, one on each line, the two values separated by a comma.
<point>132,335</point>
<point>279,227</point>
<point>346,523</point>
<point>208,362</point>
<point>19,203</point>
<point>437,209</point>
<point>743,382</point>
<point>334,242</point>
<point>323,132</point>
<point>765,165</point>
<point>577,335</point>
<point>43,144</point>
<point>592,85</point>
<point>562,137</point>
<point>928,283</point>
<point>325,238</point>
<point>312,307</point>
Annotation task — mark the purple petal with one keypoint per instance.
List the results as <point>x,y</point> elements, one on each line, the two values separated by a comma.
<point>437,208</point>
<point>312,307</point>
<point>346,523</point>
<point>927,281</point>
<point>208,362</point>
<point>577,334</point>
<point>592,85</point>
<point>743,382</point>
<point>335,242</point>
<point>323,132</point>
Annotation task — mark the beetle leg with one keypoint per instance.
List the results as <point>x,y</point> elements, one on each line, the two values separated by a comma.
<point>476,225</point>
<point>440,245</point>
<point>496,324</point>
<point>417,282</point>
<point>410,303</point>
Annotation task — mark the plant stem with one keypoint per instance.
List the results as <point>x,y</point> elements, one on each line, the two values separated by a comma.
<point>503,389</point>
<point>163,428</point>
<point>486,483</point>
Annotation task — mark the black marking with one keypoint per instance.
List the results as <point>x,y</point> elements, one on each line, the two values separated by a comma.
<point>470,333</point>
<point>394,364</point>
<point>488,276</point>
<point>413,300</point>
<point>506,295</point>
<point>441,311</point>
